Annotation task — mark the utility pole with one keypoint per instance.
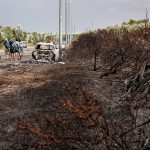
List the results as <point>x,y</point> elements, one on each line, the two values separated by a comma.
<point>69,20</point>
<point>71,36</point>
<point>66,22</point>
<point>60,28</point>
<point>74,29</point>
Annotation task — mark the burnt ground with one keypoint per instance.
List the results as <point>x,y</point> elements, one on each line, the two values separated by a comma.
<point>29,88</point>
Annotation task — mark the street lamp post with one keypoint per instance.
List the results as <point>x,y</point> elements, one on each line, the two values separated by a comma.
<point>60,28</point>
<point>66,22</point>
<point>69,19</point>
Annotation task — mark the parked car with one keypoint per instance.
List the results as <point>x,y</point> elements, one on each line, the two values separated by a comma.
<point>46,51</point>
<point>23,44</point>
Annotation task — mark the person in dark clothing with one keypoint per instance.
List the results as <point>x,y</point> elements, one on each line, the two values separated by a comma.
<point>7,47</point>
<point>16,49</point>
<point>12,53</point>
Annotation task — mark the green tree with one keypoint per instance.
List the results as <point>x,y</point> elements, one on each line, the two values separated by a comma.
<point>35,37</point>
<point>8,32</point>
<point>50,37</point>
<point>1,40</point>
<point>24,36</point>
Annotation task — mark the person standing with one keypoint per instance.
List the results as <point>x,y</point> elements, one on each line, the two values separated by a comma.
<point>11,41</point>
<point>7,47</point>
<point>16,49</point>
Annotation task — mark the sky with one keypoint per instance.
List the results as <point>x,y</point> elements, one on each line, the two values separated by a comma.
<point>43,15</point>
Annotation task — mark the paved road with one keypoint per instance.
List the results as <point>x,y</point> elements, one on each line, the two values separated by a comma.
<point>26,52</point>
<point>26,56</point>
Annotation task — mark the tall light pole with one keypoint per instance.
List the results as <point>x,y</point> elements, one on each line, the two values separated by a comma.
<point>71,29</point>
<point>69,19</point>
<point>66,22</point>
<point>60,28</point>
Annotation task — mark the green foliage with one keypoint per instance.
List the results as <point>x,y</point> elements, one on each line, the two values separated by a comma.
<point>8,32</point>
<point>50,37</point>
<point>30,39</point>
<point>1,40</point>
<point>18,33</point>
<point>131,22</point>
<point>24,36</point>
<point>35,37</point>
<point>134,22</point>
<point>130,25</point>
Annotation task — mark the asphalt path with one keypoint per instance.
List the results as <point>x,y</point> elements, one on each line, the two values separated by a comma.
<point>27,55</point>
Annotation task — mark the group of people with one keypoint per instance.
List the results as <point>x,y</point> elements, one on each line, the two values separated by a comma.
<point>12,49</point>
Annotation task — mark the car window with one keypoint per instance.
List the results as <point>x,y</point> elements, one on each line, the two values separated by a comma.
<point>44,47</point>
<point>37,46</point>
<point>51,47</point>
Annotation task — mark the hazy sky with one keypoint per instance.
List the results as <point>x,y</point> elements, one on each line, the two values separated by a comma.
<point>42,15</point>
